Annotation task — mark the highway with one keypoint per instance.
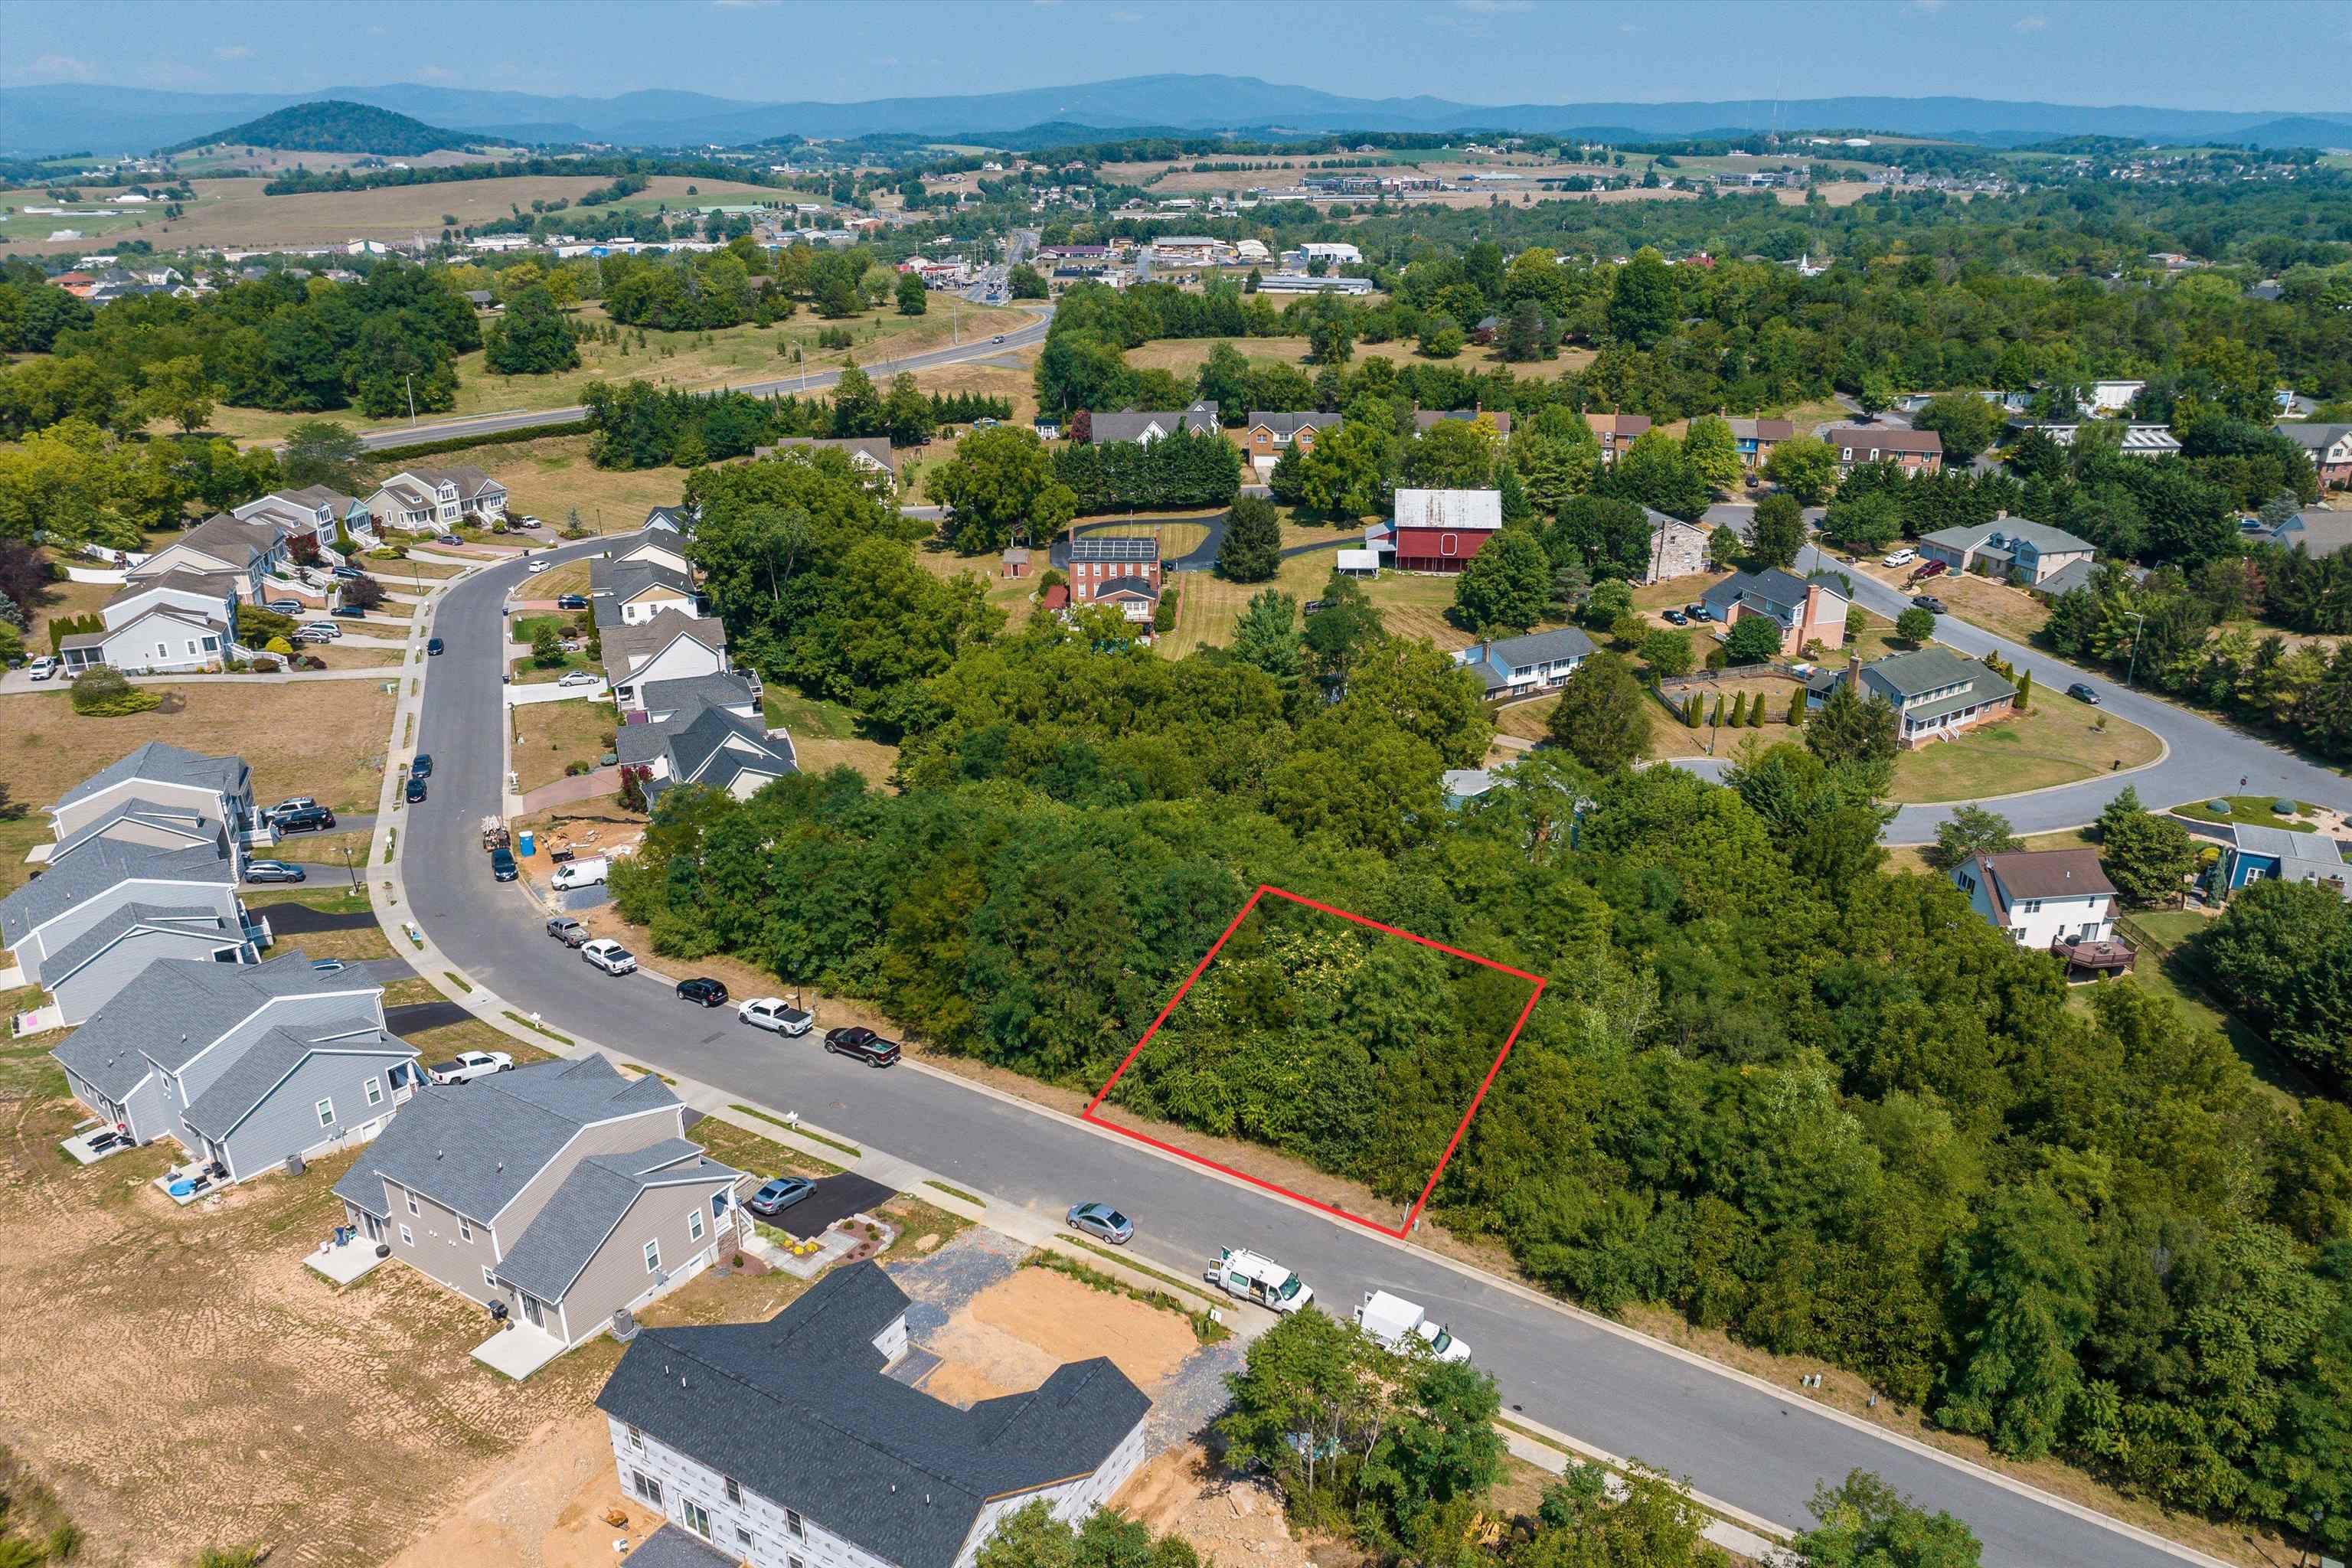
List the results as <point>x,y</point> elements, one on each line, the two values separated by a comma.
<point>1760,1449</point>
<point>479,424</point>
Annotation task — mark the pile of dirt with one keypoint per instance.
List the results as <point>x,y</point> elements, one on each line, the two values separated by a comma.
<point>1231,1520</point>
<point>544,1509</point>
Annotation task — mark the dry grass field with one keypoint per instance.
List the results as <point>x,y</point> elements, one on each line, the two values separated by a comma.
<point>548,736</point>
<point>1184,356</point>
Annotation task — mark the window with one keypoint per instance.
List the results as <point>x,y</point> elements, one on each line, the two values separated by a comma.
<point>647,1487</point>
<point>465,1229</point>
<point>2031,906</point>
<point>326,1113</point>
<point>407,1239</point>
<point>489,1281</point>
<point>653,1258</point>
<point>797,1526</point>
<point>698,1518</point>
<point>718,1203</point>
<point>374,1090</point>
<point>694,1225</point>
<point>734,1490</point>
<point>743,1540</point>
<point>412,1204</point>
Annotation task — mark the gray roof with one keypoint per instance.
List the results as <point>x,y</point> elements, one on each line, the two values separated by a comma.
<point>610,582</point>
<point>2319,534</point>
<point>1775,587</point>
<point>2043,536</point>
<point>2067,578</point>
<point>202,923</point>
<point>224,538</point>
<point>265,1064</point>
<point>920,1470</point>
<point>474,1146</point>
<point>677,517</point>
<point>176,1007</point>
<point>166,763</point>
<point>673,1546</point>
<point>192,825</point>
<point>211,585</point>
<point>2286,844</point>
<point>1541,648</point>
<point>562,1236</point>
<point>625,646</point>
<point>94,866</point>
<point>2312,438</point>
<point>1292,423</point>
<point>1924,669</point>
<point>694,742</point>
<point>686,691</point>
<point>1130,424</point>
<point>1105,547</point>
<point>875,449</point>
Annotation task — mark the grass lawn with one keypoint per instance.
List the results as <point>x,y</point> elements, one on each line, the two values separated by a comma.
<point>2249,811</point>
<point>473,1034</point>
<point>63,600</point>
<point>323,850</point>
<point>1185,356</point>
<point>2059,742</point>
<point>352,945</point>
<point>334,895</point>
<point>549,735</point>
<point>1675,592</point>
<point>571,577</point>
<point>2168,968</point>
<point>825,736</point>
<point>1670,737</point>
<point>1410,604</point>
<point>2008,612</point>
<point>528,671</point>
<point>1208,606</point>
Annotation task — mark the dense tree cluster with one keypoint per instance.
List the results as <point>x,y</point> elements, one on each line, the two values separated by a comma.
<point>640,425</point>
<point>1187,469</point>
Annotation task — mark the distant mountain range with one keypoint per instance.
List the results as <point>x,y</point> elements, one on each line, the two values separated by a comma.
<point>112,121</point>
<point>332,126</point>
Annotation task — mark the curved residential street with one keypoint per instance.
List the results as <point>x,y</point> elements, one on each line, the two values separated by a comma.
<point>1738,1440</point>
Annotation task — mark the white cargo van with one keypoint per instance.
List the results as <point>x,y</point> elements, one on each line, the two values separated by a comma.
<point>581,873</point>
<point>1259,1280</point>
<point>1397,1323</point>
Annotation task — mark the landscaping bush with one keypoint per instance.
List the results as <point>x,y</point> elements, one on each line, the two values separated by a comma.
<point>364,593</point>
<point>255,625</point>
<point>65,627</point>
<point>104,693</point>
<point>1163,615</point>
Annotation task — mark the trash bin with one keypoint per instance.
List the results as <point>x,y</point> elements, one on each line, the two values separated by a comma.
<point>524,846</point>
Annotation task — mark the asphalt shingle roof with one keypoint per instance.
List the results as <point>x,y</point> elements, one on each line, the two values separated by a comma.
<point>196,922</point>
<point>2285,843</point>
<point>562,1236</point>
<point>474,1146</point>
<point>265,1064</point>
<point>673,1546</point>
<point>185,821</point>
<point>712,690</point>
<point>888,1468</point>
<point>1924,669</point>
<point>174,1008</point>
<point>166,763</point>
<point>94,866</point>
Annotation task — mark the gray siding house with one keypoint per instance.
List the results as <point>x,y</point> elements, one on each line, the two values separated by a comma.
<point>701,1421</point>
<point>561,1192</point>
<point>89,888</point>
<point>161,774</point>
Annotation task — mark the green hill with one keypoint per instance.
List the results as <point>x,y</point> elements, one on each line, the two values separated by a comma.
<point>334,127</point>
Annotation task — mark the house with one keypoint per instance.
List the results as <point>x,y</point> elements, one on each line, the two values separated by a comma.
<point>1424,419</point>
<point>1436,530</point>
<point>220,543</point>
<point>700,734</point>
<point>1913,451</point>
<point>2330,447</point>
<point>1939,694</point>
<point>871,456</point>
<point>2053,899</point>
<point>663,549</point>
<point>246,1066</point>
<point>669,646</point>
<point>561,1192</point>
<point>2103,397</point>
<point>1462,786</point>
<point>2316,533</point>
<point>1616,432</point>
<point>1120,572</point>
<point>433,501</point>
<point>1013,561</point>
<point>1677,549</point>
<point>1755,439</point>
<point>1266,437</point>
<point>2279,854</point>
<point>672,519</point>
<point>150,631</point>
<point>1521,667</point>
<point>2026,553</point>
<point>1142,427</point>
<point>1808,610</point>
<point>483,299</point>
<point>627,592</point>
<point>220,788</point>
<point>307,519</point>
<point>704,1424</point>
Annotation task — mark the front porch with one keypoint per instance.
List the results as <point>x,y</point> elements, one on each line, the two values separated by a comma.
<point>518,1349</point>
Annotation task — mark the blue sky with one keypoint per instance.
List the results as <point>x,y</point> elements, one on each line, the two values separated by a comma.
<point>2211,54</point>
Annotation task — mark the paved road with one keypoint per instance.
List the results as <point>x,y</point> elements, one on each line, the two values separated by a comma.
<point>1761,1450</point>
<point>815,381</point>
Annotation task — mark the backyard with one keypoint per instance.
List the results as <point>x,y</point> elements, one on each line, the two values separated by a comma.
<point>825,734</point>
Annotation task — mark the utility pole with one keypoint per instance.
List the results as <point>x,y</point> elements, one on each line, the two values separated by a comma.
<point>409,380</point>
<point>2140,618</point>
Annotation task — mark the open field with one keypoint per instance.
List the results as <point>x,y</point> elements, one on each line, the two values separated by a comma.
<point>235,214</point>
<point>63,600</point>
<point>1209,607</point>
<point>551,477</point>
<point>2059,742</point>
<point>685,361</point>
<point>549,735</point>
<point>1184,356</point>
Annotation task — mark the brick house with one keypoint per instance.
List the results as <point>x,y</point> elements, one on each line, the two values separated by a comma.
<point>1616,432</point>
<point>1806,609</point>
<point>1914,451</point>
<point>1267,436</point>
<point>1124,572</point>
<point>1755,439</point>
<point>2330,447</point>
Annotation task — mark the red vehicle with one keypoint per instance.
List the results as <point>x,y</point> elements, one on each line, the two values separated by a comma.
<point>1932,569</point>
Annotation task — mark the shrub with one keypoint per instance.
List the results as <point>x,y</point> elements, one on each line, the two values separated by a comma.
<point>104,693</point>
<point>1163,615</point>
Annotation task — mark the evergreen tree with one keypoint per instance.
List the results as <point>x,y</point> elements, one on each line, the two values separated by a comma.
<point>1602,718</point>
<point>1251,551</point>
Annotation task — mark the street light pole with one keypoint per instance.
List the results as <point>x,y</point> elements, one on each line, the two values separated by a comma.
<point>408,379</point>
<point>2139,617</point>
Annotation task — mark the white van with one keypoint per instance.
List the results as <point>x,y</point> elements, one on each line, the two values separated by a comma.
<point>1401,1325</point>
<point>581,873</point>
<point>1259,1280</point>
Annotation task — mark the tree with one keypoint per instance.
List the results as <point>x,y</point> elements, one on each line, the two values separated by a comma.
<point>1754,639</point>
<point>1528,333</point>
<point>1024,281</point>
<point>176,390</point>
<point>546,646</point>
<point>533,338</point>
<point>1874,394</point>
<point>1865,1524</point>
<point>1267,635</point>
<point>1452,454</point>
<point>1803,465</point>
<point>1608,602</point>
<point>1643,307</point>
<point>1032,1538</point>
<point>1711,451</point>
<point>906,413</point>
<point>1602,719</point>
<point>363,592</point>
<point>857,407</point>
<point>1441,337</point>
<point>1847,731</point>
<point>1653,472</point>
<point>913,297</point>
<point>1966,422</point>
<point>1000,482</point>
<point>1224,381</point>
<point>1868,522</point>
<point>1667,652</point>
<point>1915,625</point>
<point>2147,857</point>
<point>1251,551</point>
<point>322,452</point>
<point>1722,547</point>
<point>1778,534</point>
<point>1331,330</point>
<point>1969,832</point>
<point>1507,584</point>
<point>2025,1295</point>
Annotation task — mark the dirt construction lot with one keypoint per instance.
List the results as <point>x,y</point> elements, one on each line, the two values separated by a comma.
<point>1012,1336</point>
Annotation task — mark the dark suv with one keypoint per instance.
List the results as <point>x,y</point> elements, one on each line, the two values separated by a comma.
<point>502,866</point>
<point>703,989</point>
<point>862,1045</point>
<point>304,819</point>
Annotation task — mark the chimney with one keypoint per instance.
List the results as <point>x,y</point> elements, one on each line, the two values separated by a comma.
<point>1853,672</point>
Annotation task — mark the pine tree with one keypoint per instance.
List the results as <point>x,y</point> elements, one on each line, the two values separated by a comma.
<point>1739,710</point>
<point>1717,719</point>
<point>1796,708</point>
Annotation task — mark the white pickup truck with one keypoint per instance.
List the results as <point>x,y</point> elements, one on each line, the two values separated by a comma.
<point>467,1066</point>
<point>1260,1279</point>
<point>1397,1323</point>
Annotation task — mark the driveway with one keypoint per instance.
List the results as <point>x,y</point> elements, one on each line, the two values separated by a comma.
<point>1759,1446</point>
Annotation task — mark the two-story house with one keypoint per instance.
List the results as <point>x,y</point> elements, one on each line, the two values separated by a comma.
<point>309,518</point>
<point>2330,447</point>
<point>700,742</point>
<point>244,1066</point>
<point>711,1426</point>
<point>218,788</point>
<point>249,551</point>
<point>657,548</point>
<point>669,645</point>
<point>629,593</point>
<point>174,621</point>
<point>2027,554</point>
<point>1124,572</point>
<point>1807,610</point>
<point>1142,427</point>
<point>430,500</point>
<point>871,458</point>
<point>2318,534</point>
<point>1913,451</point>
<point>2057,900</point>
<point>1937,693</point>
<point>1266,436</point>
<point>561,1192</point>
<point>1677,549</point>
<point>1616,432</point>
<point>1755,439</point>
<point>1523,666</point>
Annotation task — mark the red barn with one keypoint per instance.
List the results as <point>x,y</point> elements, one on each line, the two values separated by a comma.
<point>1437,530</point>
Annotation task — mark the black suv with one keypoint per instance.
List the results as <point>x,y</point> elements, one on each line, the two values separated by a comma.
<point>703,989</point>
<point>862,1045</point>
<point>304,819</point>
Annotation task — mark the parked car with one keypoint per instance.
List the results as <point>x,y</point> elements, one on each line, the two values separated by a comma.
<point>536,567</point>
<point>1399,1324</point>
<point>446,539</point>
<point>414,791</point>
<point>570,601</point>
<point>2081,692</point>
<point>274,872</point>
<point>1256,1278</point>
<point>502,866</point>
<point>349,612</point>
<point>348,573</point>
<point>420,765</point>
<point>467,1066</point>
<point>1676,617</point>
<point>702,989</point>
<point>292,802</point>
<point>609,956</point>
<point>44,667</point>
<point>432,645</point>
<point>1899,558</point>
<point>1927,601</point>
<point>566,930</point>
<point>775,1013</point>
<point>1928,569</point>
<point>779,1194</point>
<point>1102,1222</point>
<point>1697,611</point>
<point>285,607</point>
<point>309,639</point>
<point>320,629</point>
<point>585,873</point>
<point>578,678</point>
<point>310,820</point>
<point>862,1045</point>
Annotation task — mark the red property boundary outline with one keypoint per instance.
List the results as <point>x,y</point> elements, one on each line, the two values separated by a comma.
<point>1400,1232</point>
